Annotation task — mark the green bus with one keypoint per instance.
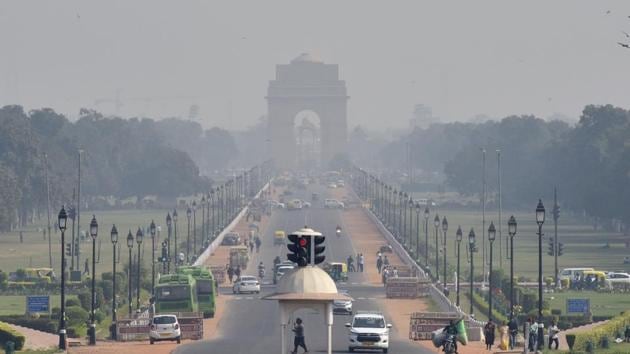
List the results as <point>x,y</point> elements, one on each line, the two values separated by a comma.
<point>176,293</point>
<point>206,288</point>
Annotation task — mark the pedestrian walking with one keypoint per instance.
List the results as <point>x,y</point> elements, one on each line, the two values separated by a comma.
<point>230,272</point>
<point>385,275</point>
<point>553,335</point>
<point>361,262</point>
<point>533,335</point>
<point>395,272</point>
<point>386,261</point>
<point>489,331</point>
<point>513,332</point>
<point>258,243</point>
<point>86,267</point>
<point>626,334</point>
<point>151,307</point>
<point>298,341</point>
<point>379,264</point>
<point>237,272</point>
<point>350,263</point>
<point>251,247</point>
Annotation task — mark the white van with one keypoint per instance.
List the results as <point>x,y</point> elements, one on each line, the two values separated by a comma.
<point>570,273</point>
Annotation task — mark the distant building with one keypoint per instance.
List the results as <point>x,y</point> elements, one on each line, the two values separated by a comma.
<point>422,117</point>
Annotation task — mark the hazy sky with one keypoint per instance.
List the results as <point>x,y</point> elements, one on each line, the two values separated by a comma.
<point>462,58</point>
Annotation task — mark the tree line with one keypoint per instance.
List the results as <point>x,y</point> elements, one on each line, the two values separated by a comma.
<point>589,162</point>
<point>120,157</point>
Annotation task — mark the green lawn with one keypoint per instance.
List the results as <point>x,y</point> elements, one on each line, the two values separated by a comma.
<point>615,348</point>
<point>602,304</point>
<point>34,251</point>
<point>16,304</point>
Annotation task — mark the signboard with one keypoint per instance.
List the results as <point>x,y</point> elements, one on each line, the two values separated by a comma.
<point>578,305</point>
<point>37,303</point>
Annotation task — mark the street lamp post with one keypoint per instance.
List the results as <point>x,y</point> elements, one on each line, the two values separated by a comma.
<point>152,231</point>
<point>139,236</point>
<point>492,233</point>
<point>194,208</point>
<point>417,232</point>
<point>188,216</point>
<point>400,216</point>
<point>426,236</point>
<point>436,223</point>
<point>212,205</point>
<point>410,229</point>
<point>512,232</point>
<point>114,238</point>
<point>93,234</point>
<point>471,246</point>
<point>540,220</point>
<point>176,258</point>
<point>458,238</point>
<point>61,221</point>
<point>130,273</point>
<point>169,226</point>
<point>444,229</point>
<point>203,220</point>
<point>404,220</point>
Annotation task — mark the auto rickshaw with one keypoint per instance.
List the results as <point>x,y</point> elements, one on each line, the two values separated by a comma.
<point>337,271</point>
<point>594,279</point>
<point>279,237</point>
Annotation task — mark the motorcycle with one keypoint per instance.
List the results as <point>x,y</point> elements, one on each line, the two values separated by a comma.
<point>261,272</point>
<point>449,346</point>
<point>338,232</point>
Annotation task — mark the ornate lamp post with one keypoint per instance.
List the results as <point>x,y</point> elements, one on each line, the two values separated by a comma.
<point>418,231</point>
<point>175,239</point>
<point>512,232</point>
<point>471,245</point>
<point>169,226</point>
<point>139,237</point>
<point>188,216</point>
<point>444,229</point>
<point>404,220</point>
<point>426,236</point>
<point>540,220</point>
<point>61,221</point>
<point>194,208</point>
<point>492,233</point>
<point>114,238</point>
<point>458,238</point>
<point>93,234</point>
<point>152,231</point>
<point>213,228</point>
<point>400,216</point>
<point>409,230</point>
<point>130,273</point>
<point>203,220</point>
<point>436,223</point>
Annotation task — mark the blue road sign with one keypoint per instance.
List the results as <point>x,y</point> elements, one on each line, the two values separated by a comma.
<point>37,303</point>
<point>578,305</point>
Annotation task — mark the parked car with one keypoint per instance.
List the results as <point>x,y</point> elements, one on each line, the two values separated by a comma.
<point>333,204</point>
<point>618,278</point>
<point>246,284</point>
<point>165,327</point>
<point>231,239</point>
<point>368,330</point>
<point>295,204</point>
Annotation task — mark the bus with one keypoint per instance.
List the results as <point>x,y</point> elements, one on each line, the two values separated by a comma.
<point>176,293</point>
<point>206,288</point>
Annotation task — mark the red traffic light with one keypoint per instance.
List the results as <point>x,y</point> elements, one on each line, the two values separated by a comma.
<point>303,242</point>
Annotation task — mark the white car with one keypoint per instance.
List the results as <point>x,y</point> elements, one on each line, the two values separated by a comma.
<point>165,327</point>
<point>618,278</point>
<point>306,204</point>
<point>332,185</point>
<point>246,284</point>
<point>343,307</point>
<point>368,331</point>
<point>333,204</point>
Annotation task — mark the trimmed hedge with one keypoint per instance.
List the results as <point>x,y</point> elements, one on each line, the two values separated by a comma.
<point>481,304</point>
<point>611,328</point>
<point>7,333</point>
<point>41,324</point>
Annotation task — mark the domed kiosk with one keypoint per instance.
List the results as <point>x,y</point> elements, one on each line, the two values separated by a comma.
<point>306,287</point>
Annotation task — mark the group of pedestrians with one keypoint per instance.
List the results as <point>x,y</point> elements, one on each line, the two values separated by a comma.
<point>509,332</point>
<point>232,272</point>
<point>360,263</point>
<point>381,262</point>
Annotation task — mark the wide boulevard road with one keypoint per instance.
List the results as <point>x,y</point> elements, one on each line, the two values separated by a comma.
<point>251,325</point>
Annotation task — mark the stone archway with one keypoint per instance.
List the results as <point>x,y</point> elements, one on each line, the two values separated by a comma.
<point>306,84</point>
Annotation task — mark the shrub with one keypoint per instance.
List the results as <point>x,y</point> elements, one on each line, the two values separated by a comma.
<point>40,324</point>
<point>483,306</point>
<point>72,302</point>
<point>76,315</point>
<point>556,312</point>
<point>617,324</point>
<point>570,340</point>
<point>7,333</point>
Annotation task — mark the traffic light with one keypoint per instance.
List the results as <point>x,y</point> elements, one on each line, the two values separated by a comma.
<point>299,247</point>
<point>556,212</point>
<point>560,249</point>
<point>164,257</point>
<point>69,249</point>
<point>551,247</point>
<point>319,249</point>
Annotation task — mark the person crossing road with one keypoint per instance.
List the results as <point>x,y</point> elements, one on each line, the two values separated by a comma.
<point>298,341</point>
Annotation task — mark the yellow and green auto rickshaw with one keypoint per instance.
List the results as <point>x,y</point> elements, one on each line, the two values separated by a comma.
<point>279,237</point>
<point>338,271</point>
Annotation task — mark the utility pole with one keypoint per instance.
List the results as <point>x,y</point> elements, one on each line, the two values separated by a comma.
<point>78,244</point>
<point>50,263</point>
<point>556,216</point>
<point>500,210</point>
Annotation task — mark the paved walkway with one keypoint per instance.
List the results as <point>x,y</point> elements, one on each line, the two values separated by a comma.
<point>37,339</point>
